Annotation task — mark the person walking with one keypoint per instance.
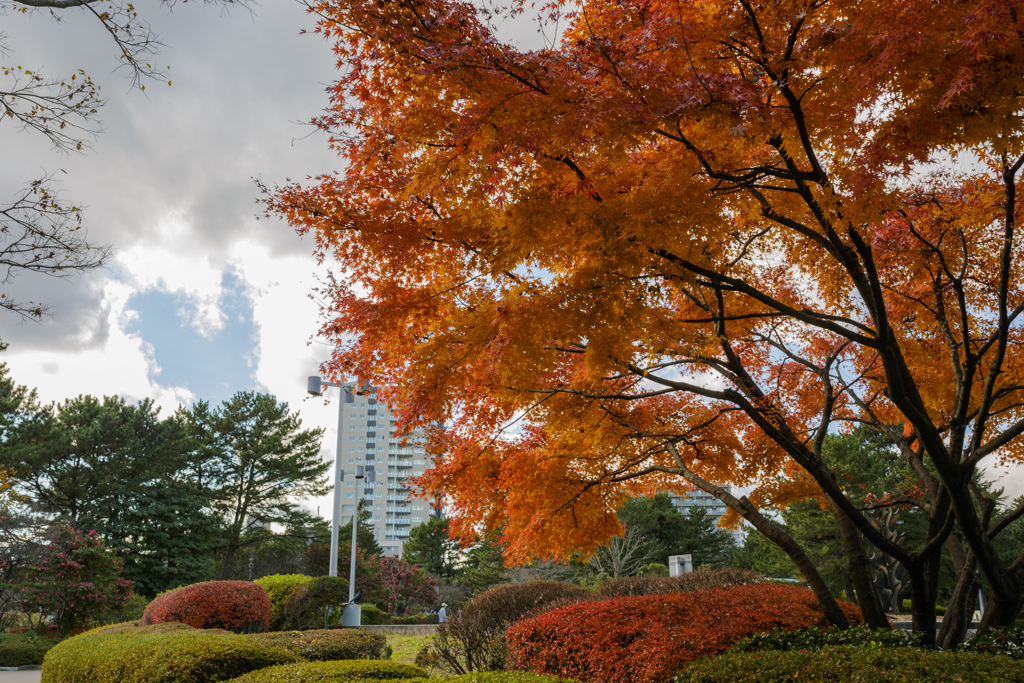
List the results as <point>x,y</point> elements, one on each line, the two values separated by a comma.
<point>442,614</point>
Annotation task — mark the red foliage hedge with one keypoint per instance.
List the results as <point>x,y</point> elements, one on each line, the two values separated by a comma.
<point>239,606</point>
<point>648,638</point>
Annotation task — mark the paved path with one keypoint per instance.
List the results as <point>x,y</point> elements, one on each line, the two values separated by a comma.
<point>20,676</point>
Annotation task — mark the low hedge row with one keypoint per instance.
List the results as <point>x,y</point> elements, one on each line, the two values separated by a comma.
<point>329,645</point>
<point>1008,642</point>
<point>647,638</point>
<point>329,672</point>
<point>815,638</point>
<point>238,606</point>
<point>279,587</point>
<point>169,652</point>
<point>23,649</point>
<point>860,664</point>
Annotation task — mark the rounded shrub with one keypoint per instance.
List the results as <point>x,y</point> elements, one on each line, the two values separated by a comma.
<point>861,664</point>
<point>169,653</point>
<point>329,645</point>
<point>473,638</point>
<point>279,587</point>
<point>305,606</point>
<point>328,672</point>
<point>237,606</point>
<point>646,638</point>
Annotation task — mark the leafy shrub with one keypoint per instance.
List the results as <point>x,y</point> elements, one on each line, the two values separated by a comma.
<point>816,638</point>
<point>702,579</point>
<point>649,637</point>
<point>169,653</point>
<point>864,665</point>
<point>371,616</point>
<point>279,587</point>
<point>23,649</point>
<point>326,646</point>
<point>472,638</point>
<point>506,677</point>
<point>238,606</point>
<point>327,672</point>
<point>1008,642</point>
<point>308,605</point>
<point>77,581</point>
<point>132,610</point>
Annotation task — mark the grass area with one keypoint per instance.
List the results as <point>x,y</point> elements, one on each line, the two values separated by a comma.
<point>405,647</point>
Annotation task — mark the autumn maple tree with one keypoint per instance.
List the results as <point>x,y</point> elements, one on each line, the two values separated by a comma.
<point>678,247</point>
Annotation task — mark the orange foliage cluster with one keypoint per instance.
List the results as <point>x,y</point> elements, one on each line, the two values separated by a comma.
<point>646,639</point>
<point>708,223</point>
<point>238,606</point>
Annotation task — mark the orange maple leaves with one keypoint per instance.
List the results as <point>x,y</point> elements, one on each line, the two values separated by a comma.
<point>698,222</point>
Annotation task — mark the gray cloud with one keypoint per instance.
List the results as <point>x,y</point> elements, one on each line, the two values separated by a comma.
<point>184,154</point>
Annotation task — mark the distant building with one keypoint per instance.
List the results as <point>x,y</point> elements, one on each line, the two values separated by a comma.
<point>367,439</point>
<point>713,508</point>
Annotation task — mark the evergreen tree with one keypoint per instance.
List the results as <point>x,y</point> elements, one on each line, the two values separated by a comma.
<point>252,458</point>
<point>661,523</point>
<point>485,564</point>
<point>430,547</point>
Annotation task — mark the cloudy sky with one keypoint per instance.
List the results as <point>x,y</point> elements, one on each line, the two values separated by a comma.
<point>201,300</point>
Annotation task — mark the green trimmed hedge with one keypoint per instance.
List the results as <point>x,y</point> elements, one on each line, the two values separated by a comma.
<point>815,638</point>
<point>1008,642</point>
<point>329,645</point>
<point>843,664</point>
<point>279,587</point>
<point>23,649</point>
<point>330,672</point>
<point>168,653</point>
<point>308,673</point>
<point>506,677</point>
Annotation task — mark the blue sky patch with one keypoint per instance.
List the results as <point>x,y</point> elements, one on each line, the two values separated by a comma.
<point>214,366</point>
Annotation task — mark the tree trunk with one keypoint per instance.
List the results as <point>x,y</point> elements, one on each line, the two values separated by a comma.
<point>229,561</point>
<point>774,533</point>
<point>860,571</point>
<point>958,613</point>
<point>923,605</point>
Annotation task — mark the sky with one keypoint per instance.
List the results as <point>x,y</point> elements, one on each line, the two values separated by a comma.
<point>201,299</point>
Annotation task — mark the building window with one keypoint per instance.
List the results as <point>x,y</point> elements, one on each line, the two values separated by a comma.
<point>351,450</point>
<point>351,461</point>
<point>348,495</point>
<point>351,438</point>
<point>348,507</point>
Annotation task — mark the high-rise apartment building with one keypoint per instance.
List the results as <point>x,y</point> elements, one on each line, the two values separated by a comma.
<point>367,438</point>
<point>713,508</point>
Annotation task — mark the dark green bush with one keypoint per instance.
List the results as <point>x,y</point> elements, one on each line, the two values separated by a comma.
<point>370,615</point>
<point>328,672</point>
<point>1008,642</point>
<point>815,638</point>
<point>279,587</point>
<point>330,645</point>
<point>168,653</point>
<point>306,606</point>
<point>861,664</point>
<point>23,649</point>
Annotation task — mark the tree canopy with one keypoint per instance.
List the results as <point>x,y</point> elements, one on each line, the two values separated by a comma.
<point>679,246</point>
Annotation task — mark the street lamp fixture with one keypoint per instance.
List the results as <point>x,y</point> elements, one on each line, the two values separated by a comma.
<point>315,387</point>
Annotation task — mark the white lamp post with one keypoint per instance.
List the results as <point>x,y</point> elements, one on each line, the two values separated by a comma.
<point>351,615</point>
<point>314,387</point>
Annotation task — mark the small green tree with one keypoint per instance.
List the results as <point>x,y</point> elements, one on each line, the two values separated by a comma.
<point>76,582</point>
<point>430,547</point>
<point>252,458</point>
